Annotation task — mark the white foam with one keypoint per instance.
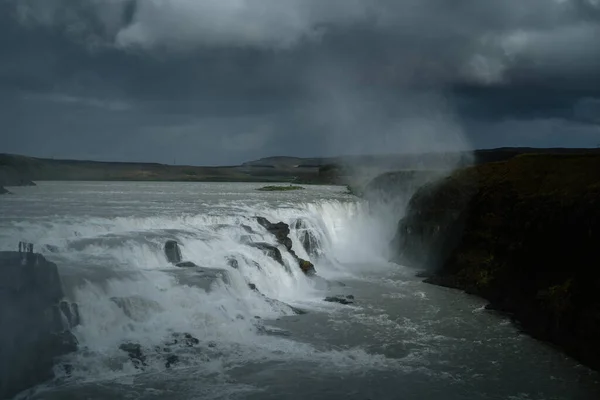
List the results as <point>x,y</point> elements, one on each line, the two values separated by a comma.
<point>155,299</point>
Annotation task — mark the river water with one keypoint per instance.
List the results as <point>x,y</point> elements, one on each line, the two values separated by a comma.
<point>401,339</point>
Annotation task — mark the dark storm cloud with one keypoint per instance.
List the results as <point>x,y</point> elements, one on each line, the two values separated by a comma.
<point>225,81</point>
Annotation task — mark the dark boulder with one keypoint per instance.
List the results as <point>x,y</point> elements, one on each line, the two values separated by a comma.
<point>172,359</point>
<point>69,313</point>
<point>307,267</point>
<point>183,340</point>
<point>4,191</point>
<point>35,322</point>
<point>248,229</point>
<point>349,299</point>
<point>172,252</point>
<point>186,264</point>
<point>233,263</point>
<point>287,242</point>
<point>269,250</point>
<point>281,232</point>
<point>135,353</point>
<point>309,241</point>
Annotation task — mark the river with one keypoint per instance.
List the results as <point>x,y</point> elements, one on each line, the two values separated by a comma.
<point>400,339</point>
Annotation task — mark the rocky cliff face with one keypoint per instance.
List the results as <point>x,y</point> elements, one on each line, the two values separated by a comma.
<point>35,321</point>
<point>524,234</point>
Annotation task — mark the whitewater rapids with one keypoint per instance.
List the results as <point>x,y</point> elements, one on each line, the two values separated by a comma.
<point>108,238</point>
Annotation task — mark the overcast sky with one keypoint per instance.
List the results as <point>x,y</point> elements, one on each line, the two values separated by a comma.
<point>215,82</point>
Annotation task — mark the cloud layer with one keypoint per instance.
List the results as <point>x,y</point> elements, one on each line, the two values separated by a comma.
<point>304,77</point>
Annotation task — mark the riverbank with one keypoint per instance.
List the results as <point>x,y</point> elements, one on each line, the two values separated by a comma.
<point>522,234</point>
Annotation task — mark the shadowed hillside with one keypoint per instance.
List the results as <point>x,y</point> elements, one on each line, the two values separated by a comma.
<point>523,234</point>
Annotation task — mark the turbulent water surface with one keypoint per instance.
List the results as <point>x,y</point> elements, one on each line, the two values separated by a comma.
<point>401,339</point>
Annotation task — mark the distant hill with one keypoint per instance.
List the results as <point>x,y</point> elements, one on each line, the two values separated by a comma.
<point>16,170</point>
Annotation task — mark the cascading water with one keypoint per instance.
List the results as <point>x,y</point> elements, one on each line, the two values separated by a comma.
<point>116,270</point>
<point>229,328</point>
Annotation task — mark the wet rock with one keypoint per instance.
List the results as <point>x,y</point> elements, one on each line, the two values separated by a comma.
<point>233,263</point>
<point>269,250</point>
<point>297,310</point>
<point>186,264</point>
<point>307,238</point>
<point>183,339</point>
<point>307,267</point>
<point>248,229</point>
<point>190,340</point>
<point>171,360</point>
<point>134,351</point>
<point>70,311</point>
<point>281,232</point>
<point>68,368</point>
<point>172,252</point>
<point>340,299</point>
<point>33,334</point>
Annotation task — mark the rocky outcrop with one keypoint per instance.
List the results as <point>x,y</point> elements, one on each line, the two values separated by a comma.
<point>309,241</point>
<point>269,250</point>
<point>281,232</point>
<point>172,252</point>
<point>3,191</point>
<point>138,355</point>
<point>523,234</point>
<point>173,255</point>
<point>35,320</point>
<point>345,300</point>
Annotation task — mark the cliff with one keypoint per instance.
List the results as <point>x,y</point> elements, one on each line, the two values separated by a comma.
<point>35,319</point>
<point>522,233</point>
